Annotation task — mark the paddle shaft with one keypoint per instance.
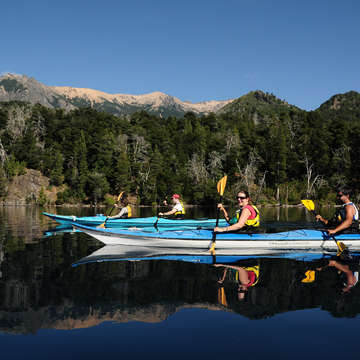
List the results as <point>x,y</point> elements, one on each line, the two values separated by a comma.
<point>112,209</point>
<point>217,219</point>
<point>341,246</point>
<point>107,218</point>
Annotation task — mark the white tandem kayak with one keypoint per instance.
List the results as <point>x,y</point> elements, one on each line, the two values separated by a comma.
<point>302,239</point>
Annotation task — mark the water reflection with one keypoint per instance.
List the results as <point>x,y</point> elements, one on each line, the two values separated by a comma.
<point>40,288</point>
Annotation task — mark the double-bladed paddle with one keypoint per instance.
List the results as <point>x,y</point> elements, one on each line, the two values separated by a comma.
<point>220,188</point>
<point>112,209</point>
<point>309,204</point>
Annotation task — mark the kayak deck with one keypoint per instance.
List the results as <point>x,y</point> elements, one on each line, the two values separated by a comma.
<point>152,221</point>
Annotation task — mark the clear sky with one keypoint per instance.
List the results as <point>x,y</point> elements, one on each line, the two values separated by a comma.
<point>302,51</point>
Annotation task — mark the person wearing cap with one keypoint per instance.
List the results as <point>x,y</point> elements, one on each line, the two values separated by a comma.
<point>346,218</point>
<point>178,209</point>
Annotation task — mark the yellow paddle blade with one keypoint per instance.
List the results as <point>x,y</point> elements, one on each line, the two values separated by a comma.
<point>101,226</point>
<point>222,297</point>
<point>310,277</point>
<point>221,185</point>
<point>309,204</point>
<point>341,247</point>
<point>212,248</point>
<point>120,196</point>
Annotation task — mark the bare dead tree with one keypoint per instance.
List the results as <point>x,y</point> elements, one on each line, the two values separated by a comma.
<point>3,155</point>
<point>261,184</point>
<point>232,141</point>
<point>121,143</point>
<point>140,158</point>
<point>215,164</point>
<point>341,156</point>
<point>196,169</point>
<point>38,128</point>
<point>293,128</point>
<point>312,181</point>
<point>16,124</point>
<point>249,172</point>
<point>144,173</point>
<point>140,148</point>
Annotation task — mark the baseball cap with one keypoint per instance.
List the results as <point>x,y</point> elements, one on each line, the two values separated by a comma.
<point>176,196</point>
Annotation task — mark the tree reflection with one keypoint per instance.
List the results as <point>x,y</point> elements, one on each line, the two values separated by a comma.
<point>39,287</point>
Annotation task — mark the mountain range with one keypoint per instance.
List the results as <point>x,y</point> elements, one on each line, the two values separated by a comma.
<point>15,87</point>
<point>27,89</point>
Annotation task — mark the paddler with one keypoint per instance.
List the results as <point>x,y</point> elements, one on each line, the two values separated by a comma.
<point>244,276</point>
<point>125,209</point>
<point>350,271</point>
<point>346,219</point>
<point>247,217</point>
<point>178,210</point>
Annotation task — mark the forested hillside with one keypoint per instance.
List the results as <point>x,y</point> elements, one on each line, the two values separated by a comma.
<point>277,151</point>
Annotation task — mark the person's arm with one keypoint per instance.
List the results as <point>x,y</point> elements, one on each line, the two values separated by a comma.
<point>245,214</point>
<point>176,208</point>
<point>350,212</point>
<point>226,216</point>
<point>123,211</point>
<point>220,281</point>
<point>320,218</point>
<point>172,211</point>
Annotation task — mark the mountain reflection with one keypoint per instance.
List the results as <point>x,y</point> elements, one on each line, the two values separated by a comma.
<point>40,289</point>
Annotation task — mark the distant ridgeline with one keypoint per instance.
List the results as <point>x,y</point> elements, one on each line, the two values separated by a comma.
<point>278,151</point>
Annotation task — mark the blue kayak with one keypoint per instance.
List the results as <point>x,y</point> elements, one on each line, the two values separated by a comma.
<point>136,222</point>
<point>203,239</point>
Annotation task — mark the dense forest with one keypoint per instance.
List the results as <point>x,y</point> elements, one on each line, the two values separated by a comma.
<point>278,152</point>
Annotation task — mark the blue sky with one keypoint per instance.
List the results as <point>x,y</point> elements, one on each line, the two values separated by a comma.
<point>302,51</point>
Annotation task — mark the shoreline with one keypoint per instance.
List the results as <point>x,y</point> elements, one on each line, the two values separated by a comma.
<point>152,206</point>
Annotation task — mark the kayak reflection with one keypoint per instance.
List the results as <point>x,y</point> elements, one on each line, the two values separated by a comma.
<point>223,256</point>
<point>124,284</point>
<point>231,263</point>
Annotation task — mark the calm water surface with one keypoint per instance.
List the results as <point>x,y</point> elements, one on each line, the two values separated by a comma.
<point>50,309</point>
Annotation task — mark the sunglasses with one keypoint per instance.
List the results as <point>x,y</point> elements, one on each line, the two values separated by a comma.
<point>339,195</point>
<point>241,291</point>
<point>241,197</point>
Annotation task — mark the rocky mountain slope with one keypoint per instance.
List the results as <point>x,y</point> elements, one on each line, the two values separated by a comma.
<point>344,106</point>
<point>23,88</point>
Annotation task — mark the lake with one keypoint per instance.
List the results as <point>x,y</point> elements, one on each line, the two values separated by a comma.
<point>51,309</point>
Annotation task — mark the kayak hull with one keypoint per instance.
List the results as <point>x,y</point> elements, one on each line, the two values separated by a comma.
<point>136,222</point>
<point>202,239</point>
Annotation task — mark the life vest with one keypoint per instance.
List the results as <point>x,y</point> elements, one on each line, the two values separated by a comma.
<point>249,222</point>
<point>340,216</point>
<point>341,213</point>
<point>255,269</point>
<point>182,212</point>
<point>128,214</point>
